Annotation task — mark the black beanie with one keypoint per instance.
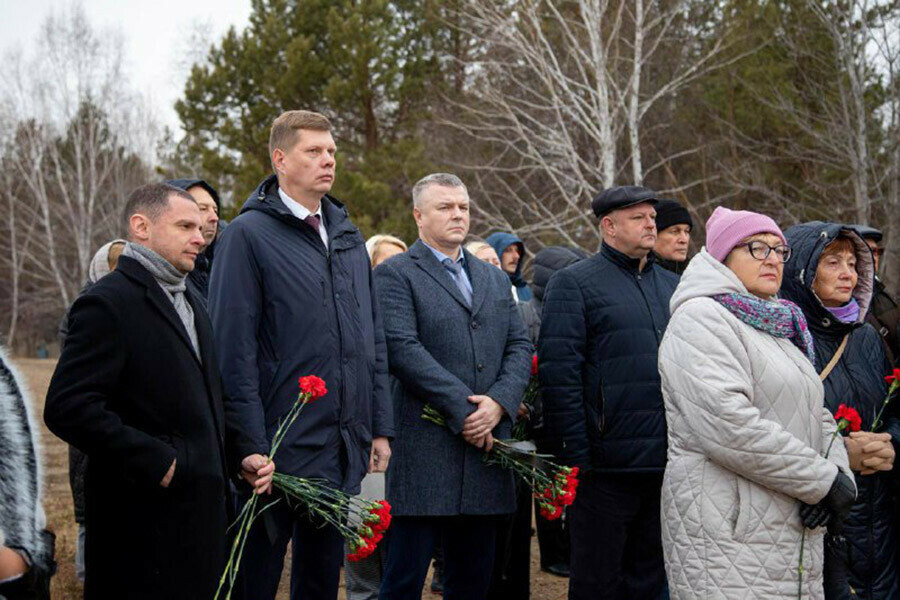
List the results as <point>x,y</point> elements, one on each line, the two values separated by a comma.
<point>669,212</point>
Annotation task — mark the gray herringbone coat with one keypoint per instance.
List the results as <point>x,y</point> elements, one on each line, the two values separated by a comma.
<point>440,351</point>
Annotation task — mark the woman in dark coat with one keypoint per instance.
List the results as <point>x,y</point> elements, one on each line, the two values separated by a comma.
<point>830,276</point>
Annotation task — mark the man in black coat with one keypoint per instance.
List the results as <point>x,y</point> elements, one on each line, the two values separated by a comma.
<point>137,390</point>
<point>603,320</point>
<point>292,295</point>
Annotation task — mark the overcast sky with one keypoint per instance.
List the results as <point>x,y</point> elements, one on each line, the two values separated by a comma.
<point>157,35</point>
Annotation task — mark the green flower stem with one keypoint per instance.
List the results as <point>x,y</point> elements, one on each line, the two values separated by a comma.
<point>884,404</point>
<point>249,513</point>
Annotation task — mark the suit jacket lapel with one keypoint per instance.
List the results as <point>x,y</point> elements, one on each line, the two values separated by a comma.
<point>478,275</point>
<point>428,262</point>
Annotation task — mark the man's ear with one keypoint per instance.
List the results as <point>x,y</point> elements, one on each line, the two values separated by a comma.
<point>608,225</point>
<point>278,160</point>
<point>417,214</point>
<point>139,227</point>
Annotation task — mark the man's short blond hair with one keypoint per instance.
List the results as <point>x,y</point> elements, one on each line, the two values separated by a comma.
<point>286,128</point>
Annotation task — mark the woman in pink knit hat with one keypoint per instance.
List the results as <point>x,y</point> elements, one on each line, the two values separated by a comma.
<point>747,488</point>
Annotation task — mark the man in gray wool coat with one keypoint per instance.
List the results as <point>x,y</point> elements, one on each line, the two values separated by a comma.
<point>456,342</point>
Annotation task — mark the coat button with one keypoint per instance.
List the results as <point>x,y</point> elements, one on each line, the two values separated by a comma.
<point>346,361</point>
<point>481,366</point>
<point>337,296</point>
<point>474,324</point>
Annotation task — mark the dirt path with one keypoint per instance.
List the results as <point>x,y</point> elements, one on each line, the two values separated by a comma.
<point>58,504</point>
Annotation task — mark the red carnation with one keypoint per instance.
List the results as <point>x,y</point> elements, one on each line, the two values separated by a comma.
<point>551,511</point>
<point>380,516</point>
<point>534,365</point>
<point>894,377</point>
<point>852,419</point>
<point>313,386</point>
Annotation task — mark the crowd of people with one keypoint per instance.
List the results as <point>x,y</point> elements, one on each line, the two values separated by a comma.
<point>697,397</point>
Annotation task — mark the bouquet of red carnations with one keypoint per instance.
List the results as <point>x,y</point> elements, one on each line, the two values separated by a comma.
<point>368,520</point>
<point>552,484</point>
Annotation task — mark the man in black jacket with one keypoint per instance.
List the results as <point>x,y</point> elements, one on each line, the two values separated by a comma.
<point>603,320</point>
<point>292,295</point>
<point>137,390</point>
<point>673,235</point>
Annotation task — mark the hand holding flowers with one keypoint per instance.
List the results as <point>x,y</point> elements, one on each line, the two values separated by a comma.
<point>362,523</point>
<point>553,485</point>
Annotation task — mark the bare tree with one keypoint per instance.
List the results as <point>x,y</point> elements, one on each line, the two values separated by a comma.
<point>80,140</point>
<point>560,93</point>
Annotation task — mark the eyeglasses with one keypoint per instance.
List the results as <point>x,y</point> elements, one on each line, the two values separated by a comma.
<point>761,250</point>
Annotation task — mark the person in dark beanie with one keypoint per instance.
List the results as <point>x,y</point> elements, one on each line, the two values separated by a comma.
<point>673,235</point>
<point>208,200</point>
<point>884,312</point>
<point>511,251</point>
<point>603,320</point>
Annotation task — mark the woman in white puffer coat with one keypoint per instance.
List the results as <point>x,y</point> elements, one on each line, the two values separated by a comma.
<point>747,426</point>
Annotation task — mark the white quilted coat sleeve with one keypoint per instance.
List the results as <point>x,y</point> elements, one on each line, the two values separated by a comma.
<point>709,387</point>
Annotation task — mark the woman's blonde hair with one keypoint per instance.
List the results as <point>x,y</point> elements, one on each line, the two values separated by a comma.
<point>376,242</point>
<point>477,246</point>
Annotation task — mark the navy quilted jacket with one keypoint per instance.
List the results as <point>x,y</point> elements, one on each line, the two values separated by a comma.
<point>603,320</point>
<point>864,557</point>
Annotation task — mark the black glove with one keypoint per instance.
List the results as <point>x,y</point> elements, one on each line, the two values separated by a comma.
<point>813,515</point>
<point>839,501</point>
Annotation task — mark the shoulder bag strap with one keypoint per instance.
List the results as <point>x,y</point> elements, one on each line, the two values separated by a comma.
<point>834,359</point>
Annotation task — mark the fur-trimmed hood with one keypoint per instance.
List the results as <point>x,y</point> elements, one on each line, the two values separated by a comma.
<point>22,517</point>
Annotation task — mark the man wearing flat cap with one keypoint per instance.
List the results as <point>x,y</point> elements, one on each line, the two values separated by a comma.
<point>603,320</point>
<point>673,235</point>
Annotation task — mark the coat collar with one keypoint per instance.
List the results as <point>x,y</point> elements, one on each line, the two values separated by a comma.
<point>342,233</point>
<point>157,297</point>
<point>632,265</point>
<point>477,271</point>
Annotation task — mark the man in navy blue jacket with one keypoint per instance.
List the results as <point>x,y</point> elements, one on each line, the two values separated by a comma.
<point>292,295</point>
<point>603,320</point>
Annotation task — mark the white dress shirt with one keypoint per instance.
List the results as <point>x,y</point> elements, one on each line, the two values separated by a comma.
<point>301,212</point>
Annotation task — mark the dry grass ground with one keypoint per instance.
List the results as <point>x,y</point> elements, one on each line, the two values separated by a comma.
<point>58,504</point>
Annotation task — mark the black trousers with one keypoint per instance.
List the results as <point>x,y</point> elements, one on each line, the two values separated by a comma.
<point>317,551</point>
<point>512,558</point>
<point>616,538</point>
<point>468,544</point>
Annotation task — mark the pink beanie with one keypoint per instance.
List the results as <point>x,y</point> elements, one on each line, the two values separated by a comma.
<point>726,228</point>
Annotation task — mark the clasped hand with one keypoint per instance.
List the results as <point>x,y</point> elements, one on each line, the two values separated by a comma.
<point>478,426</point>
<point>870,452</point>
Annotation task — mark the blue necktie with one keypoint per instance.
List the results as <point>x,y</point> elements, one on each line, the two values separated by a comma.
<point>455,270</point>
